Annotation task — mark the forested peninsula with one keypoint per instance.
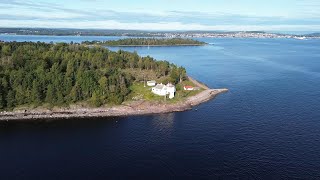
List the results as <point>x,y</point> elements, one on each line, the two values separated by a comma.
<point>148,42</point>
<point>41,80</point>
<point>58,74</point>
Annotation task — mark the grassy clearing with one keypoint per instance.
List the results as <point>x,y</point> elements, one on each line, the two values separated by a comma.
<point>139,92</point>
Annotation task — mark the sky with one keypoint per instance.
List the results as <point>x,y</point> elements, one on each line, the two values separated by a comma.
<point>227,15</point>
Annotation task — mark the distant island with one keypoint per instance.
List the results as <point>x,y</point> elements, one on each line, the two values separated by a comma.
<point>144,33</point>
<point>42,80</point>
<point>147,42</point>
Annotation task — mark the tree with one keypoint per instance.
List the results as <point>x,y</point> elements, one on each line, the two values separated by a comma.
<point>34,73</point>
<point>95,100</point>
<point>6,50</point>
<point>182,74</point>
<point>140,64</point>
<point>36,93</point>
<point>2,102</point>
<point>60,97</point>
<point>50,95</point>
<point>10,99</point>
<point>103,82</point>
<point>67,86</point>
<point>75,94</point>
<point>163,68</point>
<point>123,86</point>
<point>174,75</point>
<point>20,95</point>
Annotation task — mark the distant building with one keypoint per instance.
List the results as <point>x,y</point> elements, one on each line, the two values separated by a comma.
<point>151,83</point>
<point>163,90</point>
<point>188,88</point>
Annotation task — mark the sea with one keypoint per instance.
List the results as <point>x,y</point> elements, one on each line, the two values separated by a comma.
<point>266,127</point>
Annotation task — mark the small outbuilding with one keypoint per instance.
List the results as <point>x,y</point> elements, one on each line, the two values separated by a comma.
<point>151,83</point>
<point>188,88</point>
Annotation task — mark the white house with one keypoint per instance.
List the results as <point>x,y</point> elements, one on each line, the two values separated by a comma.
<point>162,90</point>
<point>151,83</point>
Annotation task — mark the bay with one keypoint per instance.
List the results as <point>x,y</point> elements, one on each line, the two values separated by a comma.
<point>266,127</point>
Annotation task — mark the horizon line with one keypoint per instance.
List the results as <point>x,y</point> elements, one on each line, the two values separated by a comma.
<point>160,30</point>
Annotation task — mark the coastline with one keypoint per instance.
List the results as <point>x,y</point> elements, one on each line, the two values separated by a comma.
<point>147,45</point>
<point>127,109</point>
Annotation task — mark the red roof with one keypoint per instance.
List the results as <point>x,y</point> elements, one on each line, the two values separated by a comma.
<point>187,87</point>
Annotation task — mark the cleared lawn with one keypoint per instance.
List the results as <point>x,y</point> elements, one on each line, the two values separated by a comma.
<point>139,92</point>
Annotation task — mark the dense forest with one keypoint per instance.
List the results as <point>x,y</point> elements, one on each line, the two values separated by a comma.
<point>61,74</point>
<point>147,42</point>
<point>78,32</point>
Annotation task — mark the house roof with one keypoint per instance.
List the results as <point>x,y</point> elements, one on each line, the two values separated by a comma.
<point>188,87</point>
<point>170,85</point>
<point>159,86</point>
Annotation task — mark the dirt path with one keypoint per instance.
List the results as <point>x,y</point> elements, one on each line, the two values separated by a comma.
<point>199,84</point>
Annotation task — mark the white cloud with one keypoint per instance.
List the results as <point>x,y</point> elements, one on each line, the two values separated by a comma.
<point>152,26</point>
<point>31,13</point>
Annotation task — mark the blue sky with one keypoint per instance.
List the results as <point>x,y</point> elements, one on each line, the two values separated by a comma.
<point>230,15</point>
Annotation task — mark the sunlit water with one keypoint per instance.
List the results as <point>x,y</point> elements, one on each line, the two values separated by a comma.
<point>266,127</point>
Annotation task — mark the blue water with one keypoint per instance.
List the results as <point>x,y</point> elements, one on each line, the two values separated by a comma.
<point>266,127</point>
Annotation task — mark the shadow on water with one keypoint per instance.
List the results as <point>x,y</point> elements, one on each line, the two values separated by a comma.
<point>58,123</point>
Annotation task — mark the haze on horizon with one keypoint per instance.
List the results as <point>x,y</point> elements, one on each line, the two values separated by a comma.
<point>232,15</point>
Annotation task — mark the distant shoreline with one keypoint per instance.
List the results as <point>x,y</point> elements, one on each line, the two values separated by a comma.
<point>152,45</point>
<point>126,109</point>
<point>146,42</point>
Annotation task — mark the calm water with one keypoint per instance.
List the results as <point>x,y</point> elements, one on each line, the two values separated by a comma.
<point>266,127</point>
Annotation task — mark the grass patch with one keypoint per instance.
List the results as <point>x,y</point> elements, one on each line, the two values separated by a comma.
<point>139,92</point>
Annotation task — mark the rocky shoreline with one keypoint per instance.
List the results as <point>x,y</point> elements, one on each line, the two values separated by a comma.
<point>132,108</point>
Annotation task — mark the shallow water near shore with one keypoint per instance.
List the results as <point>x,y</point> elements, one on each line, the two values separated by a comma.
<point>266,127</point>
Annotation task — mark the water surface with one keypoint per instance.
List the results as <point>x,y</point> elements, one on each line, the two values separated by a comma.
<point>266,127</point>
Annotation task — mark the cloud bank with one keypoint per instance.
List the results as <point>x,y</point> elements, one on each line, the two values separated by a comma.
<point>17,13</point>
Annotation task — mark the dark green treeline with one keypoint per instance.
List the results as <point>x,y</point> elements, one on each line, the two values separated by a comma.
<point>147,41</point>
<point>61,74</point>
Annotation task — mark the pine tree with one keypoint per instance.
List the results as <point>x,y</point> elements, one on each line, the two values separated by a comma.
<point>10,99</point>
<point>50,95</point>
<point>95,100</point>
<point>75,94</point>
<point>32,73</point>
<point>36,93</point>
<point>2,103</point>
<point>103,82</point>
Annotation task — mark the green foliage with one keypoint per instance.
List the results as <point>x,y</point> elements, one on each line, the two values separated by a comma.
<point>36,92</point>
<point>50,95</point>
<point>95,100</point>
<point>6,50</point>
<point>2,102</point>
<point>146,42</point>
<point>61,74</point>
<point>10,99</point>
